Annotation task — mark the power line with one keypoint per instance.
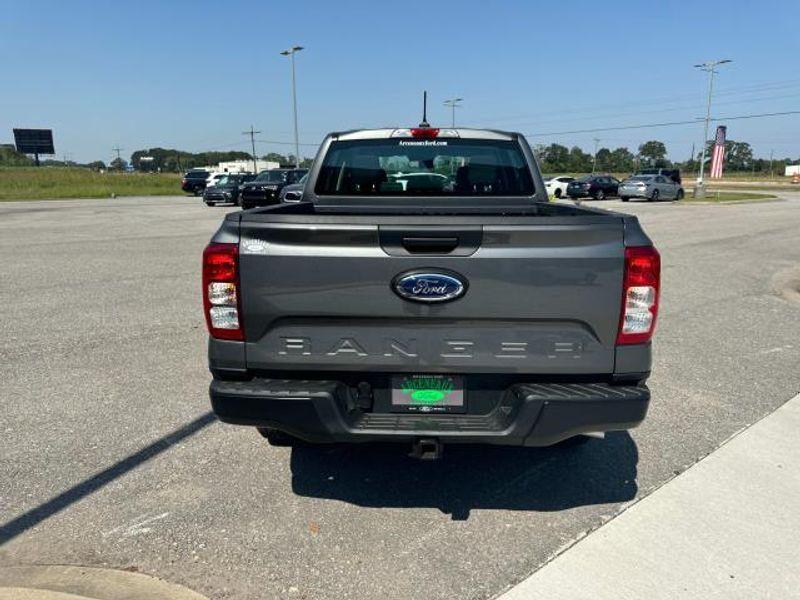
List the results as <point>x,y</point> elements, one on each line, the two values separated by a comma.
<point>252,134</point>
<point>663,124</point>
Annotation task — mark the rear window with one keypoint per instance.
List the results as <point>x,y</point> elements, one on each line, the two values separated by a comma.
<point>196,175</point>
<point>272,176</point>
<point>411,167</point>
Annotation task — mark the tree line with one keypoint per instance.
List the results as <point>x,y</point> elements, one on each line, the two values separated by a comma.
<point>556,158</point>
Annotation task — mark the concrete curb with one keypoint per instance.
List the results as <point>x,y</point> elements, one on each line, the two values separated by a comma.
<point>62,582</point>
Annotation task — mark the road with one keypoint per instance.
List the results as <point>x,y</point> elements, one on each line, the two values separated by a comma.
<point>109,457</point>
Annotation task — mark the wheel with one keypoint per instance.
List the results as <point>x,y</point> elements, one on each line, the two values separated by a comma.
<point>624,198</point>
<point>654,197</point>
<point>557,193</point>
<point>209,203</point>
<point>198,191</point>
<point>600,195</point>
<point>279,438</point>
<point>679,195</point>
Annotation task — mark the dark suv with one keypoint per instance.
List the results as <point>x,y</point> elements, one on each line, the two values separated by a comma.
<point>226,189</point>
<point>598,187</point>
<point>194,181</point>
<point>266,188</point>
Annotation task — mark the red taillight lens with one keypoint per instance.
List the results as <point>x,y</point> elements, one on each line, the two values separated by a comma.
<point>183,181</point>
<point>640,292</point>
<point>424,132</point>
<point>221,291</point>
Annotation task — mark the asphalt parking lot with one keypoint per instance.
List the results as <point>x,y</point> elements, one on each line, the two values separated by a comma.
<point>109,455</point>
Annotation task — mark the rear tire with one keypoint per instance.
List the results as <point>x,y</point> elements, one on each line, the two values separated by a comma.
<point>654,196</point>
<point>279,439</point>
<point>624,198</point>
<point>557,193</point>
<point>679,195</point>
<point>198,191</point>
<point>600,195</point>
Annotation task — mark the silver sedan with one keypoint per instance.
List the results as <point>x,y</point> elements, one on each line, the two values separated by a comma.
<point>651,187</point>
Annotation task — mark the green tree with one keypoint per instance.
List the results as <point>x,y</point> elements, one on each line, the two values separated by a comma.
<point>622,161</point>
<point>603,160</point>
<point>9,157</point>
<point>653,153</point>
<point>97,165</point>
<point>118,164</point>
<point>554,158</point>
<point>579,161</point>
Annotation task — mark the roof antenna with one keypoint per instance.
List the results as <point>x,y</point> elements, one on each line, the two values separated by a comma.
<point>424,110</point>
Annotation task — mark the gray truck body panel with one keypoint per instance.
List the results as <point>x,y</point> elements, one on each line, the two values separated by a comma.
<point>542,304</point>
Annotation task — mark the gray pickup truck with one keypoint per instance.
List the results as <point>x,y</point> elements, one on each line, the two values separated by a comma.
<point>424,291</point>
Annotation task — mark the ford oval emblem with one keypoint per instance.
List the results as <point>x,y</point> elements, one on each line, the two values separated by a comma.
<point>429,286</point>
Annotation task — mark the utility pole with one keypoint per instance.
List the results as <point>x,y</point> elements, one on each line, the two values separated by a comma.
<point>594,158</point>
<point>252,133</point>
<point>453,103</point>
<point>771,173</point>
<point>119,157</point>
<point>290,53</point>
<point>710,68</point>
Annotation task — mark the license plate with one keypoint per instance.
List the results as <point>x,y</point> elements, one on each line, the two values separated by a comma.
<point>428,393</point>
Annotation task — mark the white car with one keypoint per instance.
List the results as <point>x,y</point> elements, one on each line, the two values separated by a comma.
<point>557,186</point>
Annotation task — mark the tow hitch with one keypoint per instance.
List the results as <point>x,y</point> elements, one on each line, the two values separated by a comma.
<point>426,449</point>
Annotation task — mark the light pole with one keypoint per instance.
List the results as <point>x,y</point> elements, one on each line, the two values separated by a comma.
<point>290,53</point>
<point>453,103</point>
<point>594,158</point>
<point>710,68</point>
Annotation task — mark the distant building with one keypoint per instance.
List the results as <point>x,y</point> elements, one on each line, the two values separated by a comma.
<point>238,166</point>
<point>792,170</point>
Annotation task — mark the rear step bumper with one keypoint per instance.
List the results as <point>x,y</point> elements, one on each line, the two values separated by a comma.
<point>525,415</point>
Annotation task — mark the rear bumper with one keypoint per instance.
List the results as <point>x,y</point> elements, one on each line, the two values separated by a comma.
<point>524,415</point>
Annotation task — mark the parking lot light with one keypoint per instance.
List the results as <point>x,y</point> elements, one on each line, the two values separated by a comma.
<point>453,103</point>
<point>290,53</point>
<point>710,68</point>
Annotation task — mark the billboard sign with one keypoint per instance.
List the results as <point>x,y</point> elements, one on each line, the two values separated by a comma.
<point>34,141</point>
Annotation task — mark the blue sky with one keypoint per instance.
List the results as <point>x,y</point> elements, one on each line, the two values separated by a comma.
<point>194,75</point>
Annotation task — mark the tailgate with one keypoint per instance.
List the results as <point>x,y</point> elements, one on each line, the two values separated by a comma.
<point>543,295</point>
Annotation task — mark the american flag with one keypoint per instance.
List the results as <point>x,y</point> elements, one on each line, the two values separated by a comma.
<point>718,155</point>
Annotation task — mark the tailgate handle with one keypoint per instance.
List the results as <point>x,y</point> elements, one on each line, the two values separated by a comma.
<point>430,245</point>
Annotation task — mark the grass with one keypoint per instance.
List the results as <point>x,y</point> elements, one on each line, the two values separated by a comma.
<point>50,183</point>
<point>715,196</point>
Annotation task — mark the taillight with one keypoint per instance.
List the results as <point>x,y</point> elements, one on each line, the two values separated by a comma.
<point>640,290</point>
<point>424,132</point>
<point>183,181</point>
<point>221,291</point>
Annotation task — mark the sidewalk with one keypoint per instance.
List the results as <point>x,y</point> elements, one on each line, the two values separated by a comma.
<point>727,528</point>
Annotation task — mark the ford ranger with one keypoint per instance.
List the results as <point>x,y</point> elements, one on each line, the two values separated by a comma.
<point>425,291</point>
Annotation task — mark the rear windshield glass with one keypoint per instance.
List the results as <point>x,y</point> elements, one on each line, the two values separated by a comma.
<point>196,175</point>
<point>272,176</point>
<point>409,167</point>
<point>640,178</point>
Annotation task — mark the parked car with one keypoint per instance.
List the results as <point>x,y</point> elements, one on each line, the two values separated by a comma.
<point>598,187</point>
<point>194,181</point>
<point>226,189</point>
<point>672,174</point>
<point>294,191</point>
<point>557,186</point>
<point>652,187</point>
<point>266,188</point>
<point>476,313</point>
